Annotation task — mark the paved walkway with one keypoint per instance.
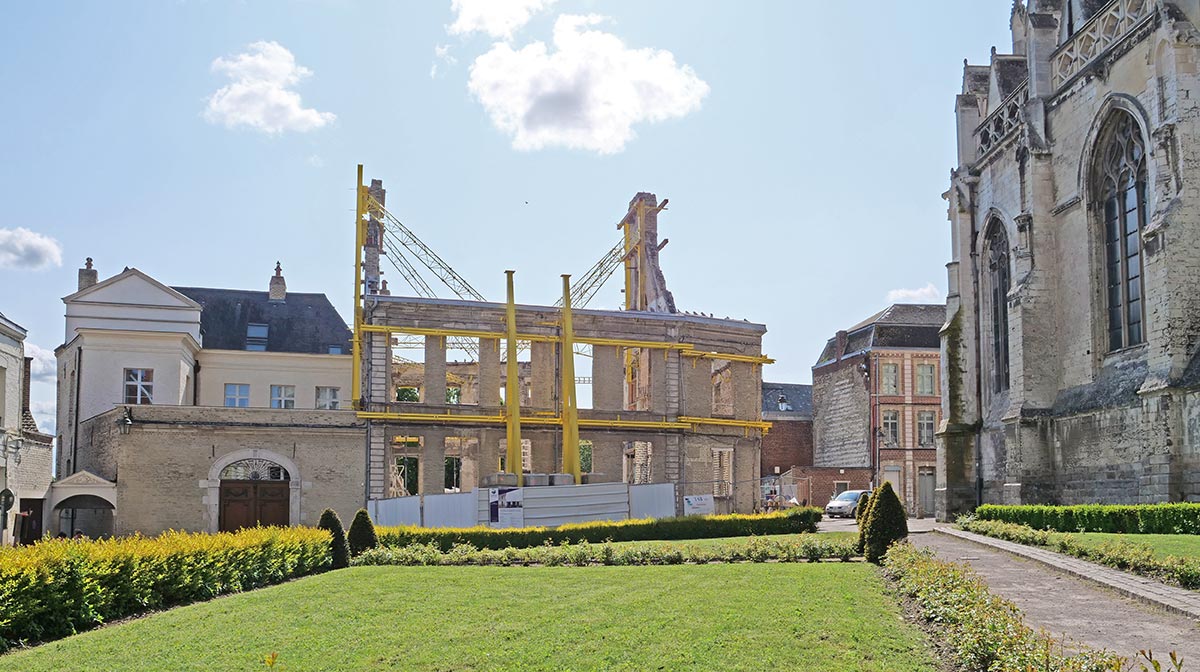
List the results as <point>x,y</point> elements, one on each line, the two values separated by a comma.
<point>1049,589</point>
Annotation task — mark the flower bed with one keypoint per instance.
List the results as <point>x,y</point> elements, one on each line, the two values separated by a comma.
<point>812,548</point>
<point>58,587</point>
<point>793,521</point>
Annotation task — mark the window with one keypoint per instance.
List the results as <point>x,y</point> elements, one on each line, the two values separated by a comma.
<point>926,425</point>
<point>998,280</point>
<point>139,386</point>
<point>327,398</point>
<point>839,487</point>
<point>256,336</point>
<point>237,395</point>
<point>283,396</point>
<point>410,395</point>
<point>925,375</point>
<point>335,349</point>
<point>891,429</point>
<point>722,388</point>
<point>1123,199</point>
<point>890,383</point>
<point>722,461</point>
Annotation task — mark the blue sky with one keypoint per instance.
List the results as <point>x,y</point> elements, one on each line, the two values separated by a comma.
<point>804,146</point>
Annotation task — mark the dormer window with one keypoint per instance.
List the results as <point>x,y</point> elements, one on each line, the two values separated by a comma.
<point>256,336</point>
<point>335,350</point>
<point>783,403</point>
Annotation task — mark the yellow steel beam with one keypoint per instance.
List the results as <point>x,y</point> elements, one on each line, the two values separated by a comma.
<point>512,389</point>
<point>753,359</point>
<point>430,417</point>
<point>726,422</point>
<point>570,412</point>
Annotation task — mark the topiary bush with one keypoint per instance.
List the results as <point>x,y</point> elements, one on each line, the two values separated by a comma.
<point>339,550</point>
<point>885,523</point>
<point>362,533</point>
<point>860,517</point>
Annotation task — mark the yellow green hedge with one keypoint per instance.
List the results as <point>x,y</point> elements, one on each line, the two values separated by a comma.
<point>793,521</point>
<point>58,587</point>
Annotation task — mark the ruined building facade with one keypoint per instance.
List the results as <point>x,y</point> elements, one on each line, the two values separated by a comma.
<point>1071,371</point>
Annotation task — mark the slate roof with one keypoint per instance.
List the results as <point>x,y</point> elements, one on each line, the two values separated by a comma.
<point>901,325</point>
<point>306,323</point>
<point>798,396</point>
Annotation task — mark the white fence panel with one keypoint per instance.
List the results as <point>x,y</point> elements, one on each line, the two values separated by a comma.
<point>452,510</point>
<point>654,500</point>
<point>395,511</point>
<point>557,505</point>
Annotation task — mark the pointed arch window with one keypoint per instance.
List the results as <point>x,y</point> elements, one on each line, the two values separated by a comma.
<point>1123,210</point>
<point>999,281</point>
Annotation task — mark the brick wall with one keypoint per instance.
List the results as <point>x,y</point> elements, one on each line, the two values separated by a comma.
<point>821,482</point>
<point>788,444</point>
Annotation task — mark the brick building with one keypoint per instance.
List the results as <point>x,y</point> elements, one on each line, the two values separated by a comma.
<point>1072,365</point>
<point>788,407</point>
<point>877,403</point>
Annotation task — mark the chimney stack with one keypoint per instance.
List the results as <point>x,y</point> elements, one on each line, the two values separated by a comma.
<point>87,275</point>
<point>277,292</point>
<point>27,421</point>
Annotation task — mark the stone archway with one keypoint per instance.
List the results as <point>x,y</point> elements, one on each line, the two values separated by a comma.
<point>258,477</point>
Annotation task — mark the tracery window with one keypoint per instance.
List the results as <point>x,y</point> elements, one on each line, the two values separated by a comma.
<point>254,470</point>
<point>999,281</point>
<point>1123,199</point>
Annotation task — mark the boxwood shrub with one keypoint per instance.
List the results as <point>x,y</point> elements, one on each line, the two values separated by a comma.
<point>58,587</point>
<point>792,521</point>
<point>1178,518</point>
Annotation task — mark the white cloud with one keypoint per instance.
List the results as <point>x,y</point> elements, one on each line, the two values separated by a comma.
<point>497,18</point>
<point>927,294</point>
<point>45,367</point>
<point>586,93</point>
<point>259,95</point>
<point>43,412</point>
<point>442,53</point>
<point>315,161</point>
<point>25,249</point>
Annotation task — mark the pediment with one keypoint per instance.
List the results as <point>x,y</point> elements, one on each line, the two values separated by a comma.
<point>83,479</point>
<point>133,287</point>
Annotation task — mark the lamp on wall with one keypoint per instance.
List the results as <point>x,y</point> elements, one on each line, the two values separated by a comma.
<point>125,422</point>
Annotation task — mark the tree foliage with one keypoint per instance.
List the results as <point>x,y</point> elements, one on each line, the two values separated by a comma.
<point>362,533</point>
<point>885,524</point>
<point>340,551</point>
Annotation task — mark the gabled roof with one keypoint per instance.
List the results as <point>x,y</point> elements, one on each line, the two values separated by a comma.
<point>901,325</point>
<point>799,397</point>
<point>302,323</point>
<point>124,275</point>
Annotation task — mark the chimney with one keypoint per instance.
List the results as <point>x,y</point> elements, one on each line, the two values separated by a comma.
<point>841,343</point>
<point>277,293</point>
<point>27,421</point>
<point>87,275</point>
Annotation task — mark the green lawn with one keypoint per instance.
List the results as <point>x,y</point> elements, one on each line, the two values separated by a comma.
<point>824,616</point>
<point>1180,545</point>
<point>721,541</point>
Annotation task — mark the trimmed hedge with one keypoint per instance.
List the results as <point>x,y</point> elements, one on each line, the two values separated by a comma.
<point>338,548</point>
<point>1179,518</point>
<point>982,631</point>
<point>884,524</point>
<point>792,521</point>
<point>1117,554</point>
<point>810,548</point>
<point>362,536</point>
<point>59,587</point>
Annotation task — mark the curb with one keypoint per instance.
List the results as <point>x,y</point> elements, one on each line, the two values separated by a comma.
<point>1097,575</point>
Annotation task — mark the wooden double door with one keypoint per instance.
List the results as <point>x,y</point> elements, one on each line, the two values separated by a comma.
<point>251,503</point>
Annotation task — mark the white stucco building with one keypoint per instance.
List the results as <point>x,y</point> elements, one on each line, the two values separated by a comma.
<point>25,453</point>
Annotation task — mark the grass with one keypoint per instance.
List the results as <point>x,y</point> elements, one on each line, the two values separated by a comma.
<point>1162,545</point>
<point>719,617</point>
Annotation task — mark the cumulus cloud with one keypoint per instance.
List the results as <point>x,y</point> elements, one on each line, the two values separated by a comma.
<point>927,294</point>
<point>498,18</point>
<point>585,93</point>
<point>260,96</point>
<point>442,53</point>
<point>45,367</point>
<point>25,249</point>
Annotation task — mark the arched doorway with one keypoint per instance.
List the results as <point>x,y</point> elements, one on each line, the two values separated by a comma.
<point>89,514</point>
<point>254,491</point>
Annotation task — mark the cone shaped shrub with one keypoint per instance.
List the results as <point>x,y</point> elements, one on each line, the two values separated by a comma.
<point>339,551</point>
<point>884,524</point>
<point>860,517</point>
<point>362,533</point>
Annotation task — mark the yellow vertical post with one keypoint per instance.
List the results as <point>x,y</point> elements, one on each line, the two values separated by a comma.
<point>570,410</point>
<point>512,389</point>
<point>359,240</point>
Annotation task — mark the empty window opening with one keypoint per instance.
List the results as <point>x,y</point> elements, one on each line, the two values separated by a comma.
<point>722,388</point>
<point>722,472</point>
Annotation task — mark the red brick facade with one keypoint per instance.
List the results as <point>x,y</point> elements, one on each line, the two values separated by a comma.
<point>788,444</point>
<point>821,483</point>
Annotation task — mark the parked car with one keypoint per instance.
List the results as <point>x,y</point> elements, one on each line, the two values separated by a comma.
<point>846,504</point>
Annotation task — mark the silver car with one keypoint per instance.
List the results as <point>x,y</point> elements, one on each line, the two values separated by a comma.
<point>846,504</point>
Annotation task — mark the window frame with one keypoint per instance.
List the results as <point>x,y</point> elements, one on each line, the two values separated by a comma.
<point>923,427</point>
<point>229,396</point>
<point>884,367</point>
<point>1122,172</point>
<point>335,398</point>
<point>883,425</point>
<point>144,383</point>
<point>279,398</point>
<point>998,268</point>
<point>932,379</point>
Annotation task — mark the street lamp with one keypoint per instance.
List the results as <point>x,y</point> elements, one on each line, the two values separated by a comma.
<point>125,422</point>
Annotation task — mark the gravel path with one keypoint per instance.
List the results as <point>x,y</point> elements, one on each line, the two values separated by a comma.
<point>1067,606</point>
